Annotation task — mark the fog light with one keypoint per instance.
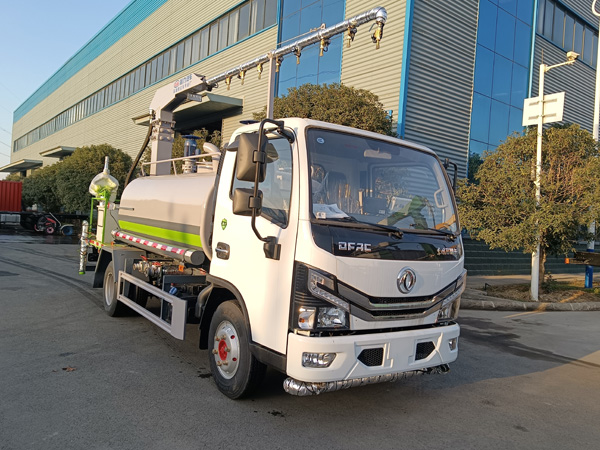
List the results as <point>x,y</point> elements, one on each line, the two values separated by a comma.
<point>321,360</point>
<point>306,318</point>
<point>453,344</point>
<point>331,318</point>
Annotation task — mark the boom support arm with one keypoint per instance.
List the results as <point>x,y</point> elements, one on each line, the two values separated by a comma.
<point>189,88</point>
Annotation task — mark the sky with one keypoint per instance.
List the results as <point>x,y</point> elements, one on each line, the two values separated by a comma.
<point>38,37</point>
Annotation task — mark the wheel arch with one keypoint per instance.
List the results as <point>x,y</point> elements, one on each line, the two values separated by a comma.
<point>221,292</point>
<point>104,259</point>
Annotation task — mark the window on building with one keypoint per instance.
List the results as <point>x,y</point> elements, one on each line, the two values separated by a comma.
<point>567,30</point>
<point>299,18</point>
<point>258,15</point>
<point>187,52</point>
<point>502,64</point>
<point>213,38</point>
<point>160,61</point>
<point>223,32</point>
<point>166,64</point>
<point>244,27</point>
<point>196,47</point>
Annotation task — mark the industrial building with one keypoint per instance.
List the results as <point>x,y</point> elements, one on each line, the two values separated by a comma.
<point>453,75</point>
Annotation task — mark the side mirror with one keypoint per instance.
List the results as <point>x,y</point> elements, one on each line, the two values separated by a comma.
<point>244,202</point>
<point>248,155</point>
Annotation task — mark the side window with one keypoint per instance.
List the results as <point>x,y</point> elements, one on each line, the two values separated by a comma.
<point>277,187</point>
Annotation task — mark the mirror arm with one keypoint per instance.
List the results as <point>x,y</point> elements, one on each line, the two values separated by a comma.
<point>271,248</point>
<point>448,163</point>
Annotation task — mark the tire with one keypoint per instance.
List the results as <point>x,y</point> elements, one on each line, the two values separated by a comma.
<point>235,370</point>
<point>66,230</point>
<point>112,306</point>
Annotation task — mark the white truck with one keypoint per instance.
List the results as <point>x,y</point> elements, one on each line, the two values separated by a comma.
<point>331,254</point>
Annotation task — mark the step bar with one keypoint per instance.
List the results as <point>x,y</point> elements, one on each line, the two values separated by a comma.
<point>173,310</point>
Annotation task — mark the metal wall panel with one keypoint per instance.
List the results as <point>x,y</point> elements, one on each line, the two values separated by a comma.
<point>440,78</point>
<point>578,81</point>
<point>10,196</point>
<point>583,8</point>
<point>378,71</point>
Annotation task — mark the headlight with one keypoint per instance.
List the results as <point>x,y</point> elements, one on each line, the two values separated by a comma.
<point>316,280</point>
<point>451,303</point>
<point>317,306</point>
<point>331,318</point>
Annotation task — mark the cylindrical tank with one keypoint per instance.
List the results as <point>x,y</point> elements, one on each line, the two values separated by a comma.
<point>170,209</point>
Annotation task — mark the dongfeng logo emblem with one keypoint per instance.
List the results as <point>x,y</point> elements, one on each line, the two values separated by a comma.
<point>406,280</point>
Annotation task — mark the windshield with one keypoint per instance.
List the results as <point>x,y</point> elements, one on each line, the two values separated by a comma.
<point>367,180</point>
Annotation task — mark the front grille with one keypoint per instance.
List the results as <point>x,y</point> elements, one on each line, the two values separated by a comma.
<point>396,300</point>
<point>424,349</point>
<point>397,312</point>
<point>371,357</point>
<point>392,308</point>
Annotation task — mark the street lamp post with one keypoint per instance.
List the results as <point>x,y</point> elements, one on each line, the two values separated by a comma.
<point>589,270</point>
<point>535,256</point>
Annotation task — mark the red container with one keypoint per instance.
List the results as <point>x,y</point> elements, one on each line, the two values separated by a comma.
<point>10,196</point>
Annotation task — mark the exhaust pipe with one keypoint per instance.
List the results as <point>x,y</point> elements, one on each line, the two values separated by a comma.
<point>302,388</point>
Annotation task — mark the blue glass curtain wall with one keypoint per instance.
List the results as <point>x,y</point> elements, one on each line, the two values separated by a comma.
<point>300,17</point>
<point>502,65</point>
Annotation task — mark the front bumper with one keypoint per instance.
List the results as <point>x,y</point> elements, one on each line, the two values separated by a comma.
<point>400,353</point>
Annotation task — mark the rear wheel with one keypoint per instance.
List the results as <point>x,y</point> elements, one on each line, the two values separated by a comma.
<point>112,306</point>
<point>236,371</point>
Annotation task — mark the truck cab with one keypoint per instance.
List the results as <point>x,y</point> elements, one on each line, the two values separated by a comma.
<point>367,277</point>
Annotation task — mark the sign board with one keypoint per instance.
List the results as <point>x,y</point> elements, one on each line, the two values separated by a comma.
<point>554,105</point>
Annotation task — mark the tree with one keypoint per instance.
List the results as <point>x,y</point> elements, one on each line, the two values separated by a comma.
<point>473,166</point>
<point>74,174</point>
<point>15,176</point>
<point>40,189</point>
<point>501,208</point>
<point>335,103</point>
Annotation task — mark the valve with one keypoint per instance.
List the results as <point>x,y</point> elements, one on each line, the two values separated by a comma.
<point>242,75</point>
<point>378,35</point>
<point>228,82</point>
<point>324,46</point>
<point>298,53</point>
<point>351,34</point>
<point>259,69</point>
<point>278,62</point>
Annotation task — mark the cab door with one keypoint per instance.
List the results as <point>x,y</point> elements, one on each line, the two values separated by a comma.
<point>265,284</point>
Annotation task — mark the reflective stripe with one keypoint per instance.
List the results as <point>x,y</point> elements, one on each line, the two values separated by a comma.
<point>162,234</point>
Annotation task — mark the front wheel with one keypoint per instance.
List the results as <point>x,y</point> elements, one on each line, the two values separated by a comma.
<point>112,306</point>
<point>236,371</point>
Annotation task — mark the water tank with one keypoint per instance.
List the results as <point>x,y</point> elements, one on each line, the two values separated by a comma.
<point>170,209</point>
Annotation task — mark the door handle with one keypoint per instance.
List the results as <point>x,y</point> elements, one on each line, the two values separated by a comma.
<point>222,250</point>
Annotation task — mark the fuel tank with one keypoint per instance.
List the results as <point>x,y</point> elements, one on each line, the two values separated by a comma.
<point>170,209</point>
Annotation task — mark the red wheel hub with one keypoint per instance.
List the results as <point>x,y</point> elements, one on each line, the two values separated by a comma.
<point>223,350</point>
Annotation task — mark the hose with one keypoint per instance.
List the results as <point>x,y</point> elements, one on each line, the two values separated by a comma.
<point>139,155</point>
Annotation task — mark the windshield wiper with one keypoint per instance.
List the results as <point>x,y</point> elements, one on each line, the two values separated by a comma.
<point>449,234</point>
<point>352,222</point>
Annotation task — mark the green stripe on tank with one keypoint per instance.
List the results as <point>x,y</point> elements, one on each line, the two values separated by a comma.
<point>162,234</point>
